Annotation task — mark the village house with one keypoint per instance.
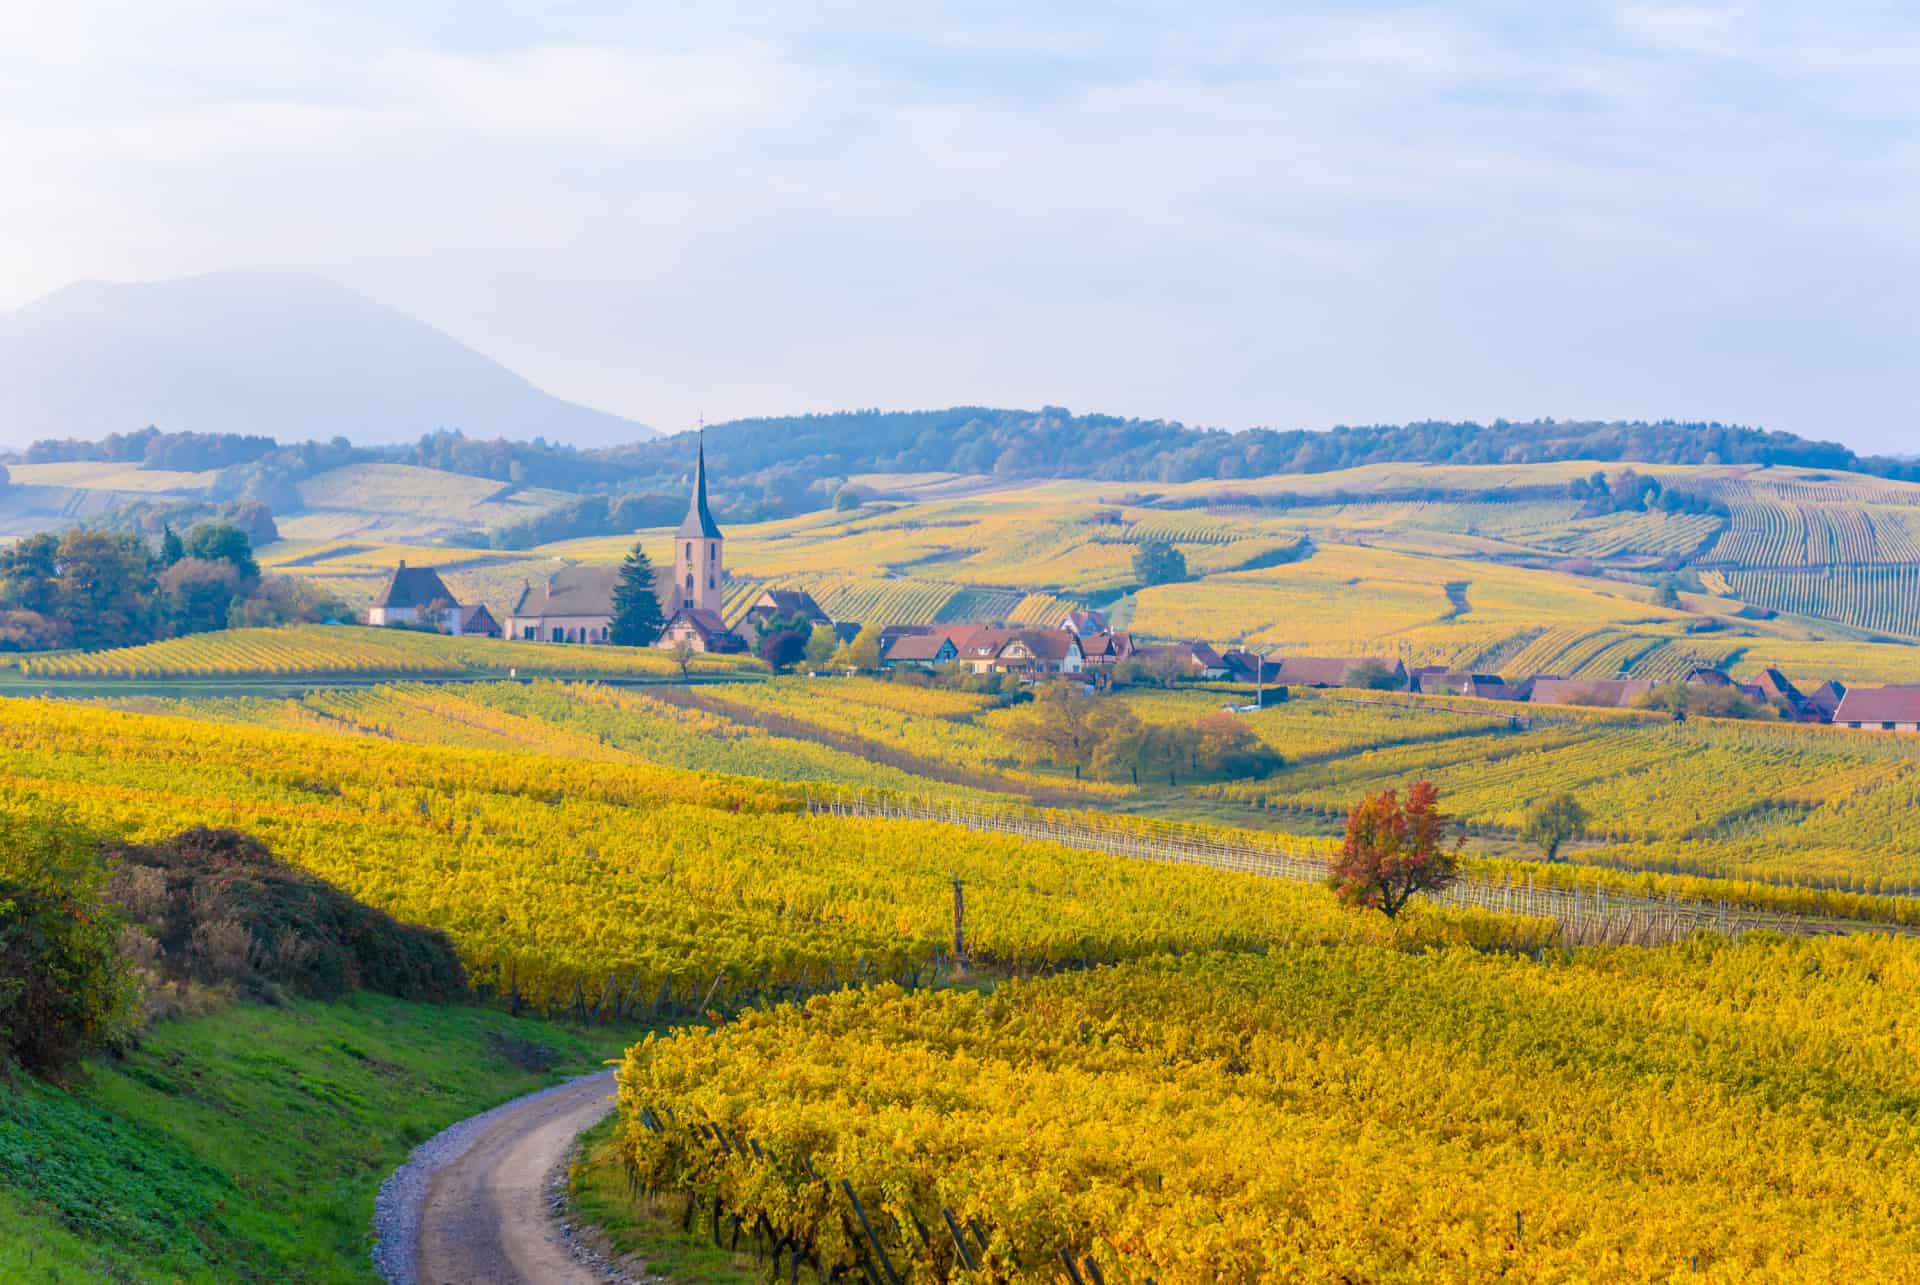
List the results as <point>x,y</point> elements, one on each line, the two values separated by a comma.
<point>920,650</point>
<point>1612,693</point>
<point>1880,709</point>
<point>475,621</point>
<point>1823,702</point>
<point>1481,686</point>
<point>1250,667</point>
<point>1026,652</point>
<point>1102,650</point>
<point>785,604</point>
<point>417,596</point>
<point>1341,671</point>
<point>1085,624</point>
<point>701,630</point>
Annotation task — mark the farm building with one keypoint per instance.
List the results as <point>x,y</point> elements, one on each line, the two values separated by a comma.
<point>1341,671</point>
<point>785,603</point>
<point>1880,709</point>
<point>702,630</point>
<point>1613,693</point>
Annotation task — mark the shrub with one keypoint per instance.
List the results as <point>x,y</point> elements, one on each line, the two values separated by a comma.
<point>225,910</point>
<point>65,989</point>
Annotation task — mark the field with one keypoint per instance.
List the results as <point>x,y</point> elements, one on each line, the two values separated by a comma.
<point>1157,1068</point>
<point>1481,567</point>
<point>335,651</point>
<point>1325,1112</point>
<point>1218,1063</point>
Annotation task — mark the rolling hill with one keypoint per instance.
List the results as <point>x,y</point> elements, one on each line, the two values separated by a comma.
<point>279,353</point>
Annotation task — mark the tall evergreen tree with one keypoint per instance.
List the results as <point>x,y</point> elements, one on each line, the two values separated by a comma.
<point>171,548</point>
<point>636,609</point>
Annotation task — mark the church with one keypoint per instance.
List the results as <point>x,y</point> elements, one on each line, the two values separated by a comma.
<point>575,604</point>
<point>692,604</point>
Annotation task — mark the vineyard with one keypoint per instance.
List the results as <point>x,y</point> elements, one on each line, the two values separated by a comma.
<point>555,873</point>
<point>1318,1111</point>
<point>1882,598</point>
<point>308,651</point>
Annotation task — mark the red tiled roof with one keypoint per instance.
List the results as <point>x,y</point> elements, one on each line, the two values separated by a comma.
<point>917,647</point>
<point>1880,705</point>
<point>1046,644</point>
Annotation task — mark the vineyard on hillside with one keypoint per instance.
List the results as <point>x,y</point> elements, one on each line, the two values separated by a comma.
<point>1213,1117</point>
<point>554,873</point>
<point>306,651</point>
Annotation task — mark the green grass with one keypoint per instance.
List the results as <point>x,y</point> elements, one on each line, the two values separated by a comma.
<point>647,1229</point>
<point>249,1144</point>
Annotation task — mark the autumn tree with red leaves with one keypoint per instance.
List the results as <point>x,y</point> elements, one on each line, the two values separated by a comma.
<point>1394,850</point>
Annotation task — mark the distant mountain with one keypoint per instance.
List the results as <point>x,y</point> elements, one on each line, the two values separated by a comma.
<point>279,353</point>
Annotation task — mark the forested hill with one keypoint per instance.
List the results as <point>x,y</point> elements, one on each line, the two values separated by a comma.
<point>1053,442</point>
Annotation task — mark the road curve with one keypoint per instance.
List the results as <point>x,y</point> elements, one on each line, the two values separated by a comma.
<point>471,1204</point>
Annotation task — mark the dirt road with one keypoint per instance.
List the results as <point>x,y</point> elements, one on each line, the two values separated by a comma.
<point>472,1205</point>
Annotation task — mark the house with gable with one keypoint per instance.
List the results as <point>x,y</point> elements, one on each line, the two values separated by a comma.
<point>1027,652</point>
<point>417,596</point>
<point>1880,709</point>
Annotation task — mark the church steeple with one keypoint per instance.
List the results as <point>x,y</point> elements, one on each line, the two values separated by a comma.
<point>699,523</point>
<point>699,563</point>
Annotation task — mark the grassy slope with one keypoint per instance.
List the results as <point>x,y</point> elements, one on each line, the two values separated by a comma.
<point>249,1144</point>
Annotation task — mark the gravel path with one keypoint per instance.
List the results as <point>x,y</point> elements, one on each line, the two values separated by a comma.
<point>477,1201</point>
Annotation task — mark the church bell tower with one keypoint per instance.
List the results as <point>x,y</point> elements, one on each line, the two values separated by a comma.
<point>699,568</point>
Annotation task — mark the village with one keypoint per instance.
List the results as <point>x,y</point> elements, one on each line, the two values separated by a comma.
<point>577,605</point>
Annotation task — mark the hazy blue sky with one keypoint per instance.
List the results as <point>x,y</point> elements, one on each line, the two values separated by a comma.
<point>1228,214</point>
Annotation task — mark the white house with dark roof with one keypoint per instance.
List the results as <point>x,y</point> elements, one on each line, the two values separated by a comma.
<point>417,596</point>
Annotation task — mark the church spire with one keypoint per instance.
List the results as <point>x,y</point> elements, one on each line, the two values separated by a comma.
<point>699,522</point>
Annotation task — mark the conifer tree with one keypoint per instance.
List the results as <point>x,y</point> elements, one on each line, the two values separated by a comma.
<point>636,609</point>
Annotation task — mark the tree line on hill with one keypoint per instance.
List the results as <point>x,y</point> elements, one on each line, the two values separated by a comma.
<point>773,467</point>
<point>94,589</point>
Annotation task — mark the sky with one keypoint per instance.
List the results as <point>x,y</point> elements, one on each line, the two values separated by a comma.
<point>1227,214</point>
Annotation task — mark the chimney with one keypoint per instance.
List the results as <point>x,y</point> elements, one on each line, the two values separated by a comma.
<point>402,566</point>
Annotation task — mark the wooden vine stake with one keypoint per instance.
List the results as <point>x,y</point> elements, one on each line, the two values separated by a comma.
<point>959,929</point>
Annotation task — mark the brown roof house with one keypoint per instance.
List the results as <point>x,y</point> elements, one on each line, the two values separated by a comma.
<point>1249,667</point>
<point>1824,701</point>
<point>787,603</point>
<point>1085,623</point>
<point>477,622</point>
<point>1483,686</point>
<point>1184,660</point>
<point>417,596</point>
<point>1106,648</point>
<point>702,630</point>
<point>1021,651</point>
<point>923,651</point>
<point>1880,709</point>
